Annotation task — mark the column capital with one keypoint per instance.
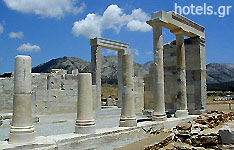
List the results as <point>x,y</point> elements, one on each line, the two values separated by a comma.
<point>178,31</point>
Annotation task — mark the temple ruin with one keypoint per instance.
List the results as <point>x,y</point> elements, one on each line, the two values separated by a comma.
<point>176,84</point>
<point>180,27</point>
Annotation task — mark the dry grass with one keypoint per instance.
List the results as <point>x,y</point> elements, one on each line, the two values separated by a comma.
<point>108,90</point>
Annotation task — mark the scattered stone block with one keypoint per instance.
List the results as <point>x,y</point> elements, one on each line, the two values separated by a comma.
<point>227,135</point>
<point>184,126</point>
<point>205,140</point>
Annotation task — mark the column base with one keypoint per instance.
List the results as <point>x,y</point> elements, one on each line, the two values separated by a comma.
<point>21,134</point>
<point>127,122</point>
<point>181,113</point>
<point>159,117</point>
<point>85,127</point>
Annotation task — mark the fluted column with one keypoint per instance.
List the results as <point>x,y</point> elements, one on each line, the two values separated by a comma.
<point>85,117</point>
<point>128,116</point>
<point>182,109</point>
<point>22,130</point>
<point>158,77</point>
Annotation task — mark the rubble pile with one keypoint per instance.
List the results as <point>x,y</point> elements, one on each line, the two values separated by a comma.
<point>214,119</point>
<point>206,140</point>
<point>191,133</point>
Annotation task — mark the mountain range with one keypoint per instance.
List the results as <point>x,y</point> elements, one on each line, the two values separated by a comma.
<point>219,75</point>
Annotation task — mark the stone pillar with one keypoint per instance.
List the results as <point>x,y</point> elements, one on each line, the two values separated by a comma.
<point>95,100</point>
<point>158,77</point>
<point>128,116</point>
<point>34,118</point>
<point>182,110</point>
<point>85,118</point>
<point>22,130</point>
<point>139,95</point>
<point>96,64</point>
<point>120,57</point>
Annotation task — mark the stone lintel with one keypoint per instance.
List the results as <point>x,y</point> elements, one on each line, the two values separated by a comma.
<point>109,44</point>
<point>172,20</point>
<point>178,31</point>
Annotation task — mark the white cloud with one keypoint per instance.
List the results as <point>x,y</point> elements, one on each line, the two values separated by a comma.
<point>46,8</point>
<point>135,52</point>
<point>136,25</point>
<point>28,48</point>
<point>1,29</point>
<point>18,35</point>
<point>89,27</point>
<point>113,18</point>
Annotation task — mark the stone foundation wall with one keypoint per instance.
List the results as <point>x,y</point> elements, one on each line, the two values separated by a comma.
<point>195,76</point>
<point>6,94</point>
<point>56,92</point>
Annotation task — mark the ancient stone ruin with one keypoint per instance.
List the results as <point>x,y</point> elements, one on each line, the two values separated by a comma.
<point>176,84</point>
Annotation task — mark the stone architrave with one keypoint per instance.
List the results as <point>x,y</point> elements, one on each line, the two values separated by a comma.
<point>182,108</point>
<point>22,130</point>
<point>128,116</point>
<point>85,123</point>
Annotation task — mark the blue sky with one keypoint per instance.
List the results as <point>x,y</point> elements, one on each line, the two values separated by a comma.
<point>45,29</point>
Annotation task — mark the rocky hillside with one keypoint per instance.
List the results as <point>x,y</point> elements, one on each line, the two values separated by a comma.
<point>109,67</point>
<point>220,76</point>
<point>220,72</point>
<point>67,63</point>
<point>217,73</point>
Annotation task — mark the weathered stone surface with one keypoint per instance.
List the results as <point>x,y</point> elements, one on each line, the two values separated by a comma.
<point>22,129</point>
<point>85,123</point>
<point>184,126</point>
<point>128,115</point>
<point>227,135</point>
<point>205,140</point>
<point>196,89</point>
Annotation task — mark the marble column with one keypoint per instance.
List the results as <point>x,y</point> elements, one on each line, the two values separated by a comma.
<point>158,77</point>
<point>96,66</point>
<point>22,130</point>
<point>120,57</point>
<point>95,100</point>
<point>182,110</point>
<point>85,118</point>
<point>128,116</point>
